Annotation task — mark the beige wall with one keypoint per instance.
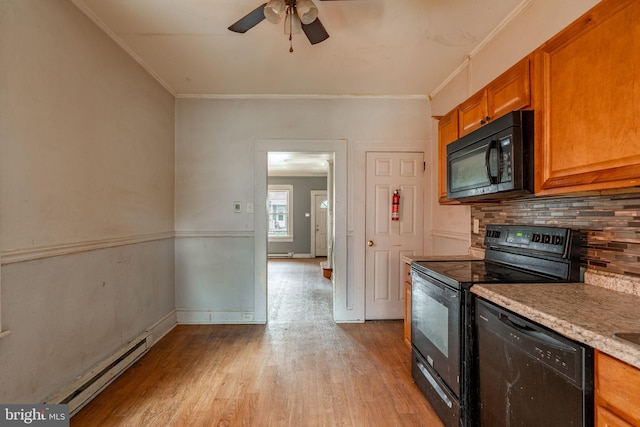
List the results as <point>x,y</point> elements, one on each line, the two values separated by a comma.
<point>86,197</point>
<point>215,146</point>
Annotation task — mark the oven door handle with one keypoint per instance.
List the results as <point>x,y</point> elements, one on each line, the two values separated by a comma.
<point>434,384</point>
<point>420,278</point>
<point>533,334</point>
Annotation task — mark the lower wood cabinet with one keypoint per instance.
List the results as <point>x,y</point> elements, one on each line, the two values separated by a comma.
<point>605,418</point>
<point>617,392</point>
<point>407,304</point>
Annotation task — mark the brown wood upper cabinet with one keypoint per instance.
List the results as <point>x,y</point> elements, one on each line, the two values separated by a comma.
<point>447,132</point>
<point>588,132</point>
<point>510,91</point>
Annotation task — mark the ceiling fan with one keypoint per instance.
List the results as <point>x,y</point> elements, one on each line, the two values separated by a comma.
<point>298,15</point>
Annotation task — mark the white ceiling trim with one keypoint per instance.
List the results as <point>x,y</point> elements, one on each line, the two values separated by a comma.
<point>299,96</point>
<point>104,27</point>
<point>501,26</point>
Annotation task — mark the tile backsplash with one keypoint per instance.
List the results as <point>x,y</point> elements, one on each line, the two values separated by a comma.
<point>609,225</point>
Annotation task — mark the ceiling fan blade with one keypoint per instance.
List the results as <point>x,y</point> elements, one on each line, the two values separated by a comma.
<point>315,31</point>
<point>249,21</point>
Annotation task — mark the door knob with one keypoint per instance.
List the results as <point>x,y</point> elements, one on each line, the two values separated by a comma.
<point>370,243</point>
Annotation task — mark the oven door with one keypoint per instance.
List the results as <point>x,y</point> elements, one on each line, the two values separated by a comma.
<point>435,327</point>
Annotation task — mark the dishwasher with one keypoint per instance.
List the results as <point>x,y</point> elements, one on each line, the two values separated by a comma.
<point>529,375</point>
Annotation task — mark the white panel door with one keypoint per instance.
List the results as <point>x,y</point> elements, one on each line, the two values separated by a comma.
<point>388,240</point>
<point>321,206</point>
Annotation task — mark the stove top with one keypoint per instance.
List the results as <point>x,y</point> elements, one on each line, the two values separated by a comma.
<point>466,273</point>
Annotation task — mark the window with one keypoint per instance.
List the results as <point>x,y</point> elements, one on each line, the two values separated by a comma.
<point>280,216</point>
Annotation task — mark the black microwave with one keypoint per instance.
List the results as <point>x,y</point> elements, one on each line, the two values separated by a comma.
<point>493,162</point>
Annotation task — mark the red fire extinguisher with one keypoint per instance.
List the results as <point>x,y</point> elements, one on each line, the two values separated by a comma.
<point>395,204</point>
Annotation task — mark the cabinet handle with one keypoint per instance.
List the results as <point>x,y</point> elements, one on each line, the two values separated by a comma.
<point>487,118</point>
<point>482,122</point>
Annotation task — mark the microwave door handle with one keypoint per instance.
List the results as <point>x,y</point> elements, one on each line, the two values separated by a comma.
<point>492,145</point>
<point>499,162</point>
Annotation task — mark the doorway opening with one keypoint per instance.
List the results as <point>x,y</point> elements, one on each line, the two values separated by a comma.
<point>332,152</point>
<point>298,241</point>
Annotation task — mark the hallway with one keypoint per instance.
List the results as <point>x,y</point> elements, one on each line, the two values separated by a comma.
<point>301,369</point>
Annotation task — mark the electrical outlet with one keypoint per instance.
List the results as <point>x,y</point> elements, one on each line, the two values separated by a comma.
<point>249,207</point>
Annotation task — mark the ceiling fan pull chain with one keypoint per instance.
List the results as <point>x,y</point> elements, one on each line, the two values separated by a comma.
<point>293,10</point>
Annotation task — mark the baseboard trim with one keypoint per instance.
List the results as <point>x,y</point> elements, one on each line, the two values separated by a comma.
<point>163,326</point>
<point>212,317</point>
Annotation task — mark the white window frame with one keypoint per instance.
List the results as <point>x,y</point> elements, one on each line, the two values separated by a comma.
<point>289,236</point>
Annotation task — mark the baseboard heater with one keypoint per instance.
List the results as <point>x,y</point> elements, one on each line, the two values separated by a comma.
<point>82,391</point>
<point>281,255</point>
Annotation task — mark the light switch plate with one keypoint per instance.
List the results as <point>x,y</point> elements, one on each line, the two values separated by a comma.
<point>237,207</point>
<point>476,226</point>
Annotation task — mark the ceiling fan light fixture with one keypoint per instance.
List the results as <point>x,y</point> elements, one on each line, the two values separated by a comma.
<point>307,11</point>
<point>299,16</point>
<point>275,10</point>
<point>292,24</point>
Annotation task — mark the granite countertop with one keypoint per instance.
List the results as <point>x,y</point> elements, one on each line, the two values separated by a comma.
<point>586,313</point>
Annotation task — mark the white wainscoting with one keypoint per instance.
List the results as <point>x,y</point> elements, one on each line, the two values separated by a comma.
<point>68,313</point>
<point>446,242</point>
<point>214,277</point>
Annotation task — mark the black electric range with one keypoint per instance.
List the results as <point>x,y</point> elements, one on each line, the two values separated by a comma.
<point>443,306</point>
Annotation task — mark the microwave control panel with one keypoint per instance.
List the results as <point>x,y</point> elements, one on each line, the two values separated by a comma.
<point>506,167</point>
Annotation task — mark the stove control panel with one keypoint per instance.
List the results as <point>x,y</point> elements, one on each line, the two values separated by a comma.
<point>552,240</point>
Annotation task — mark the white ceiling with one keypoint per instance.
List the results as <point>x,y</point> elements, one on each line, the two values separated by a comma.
<point>298,164</point>
<point>376,47</point>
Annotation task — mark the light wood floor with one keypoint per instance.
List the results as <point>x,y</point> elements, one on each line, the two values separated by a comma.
<point>301,369</point>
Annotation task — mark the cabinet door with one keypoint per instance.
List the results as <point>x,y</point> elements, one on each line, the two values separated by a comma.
<point>407,304</point>
<point>617,387</point>
<point>472,113</point>
<point>509,92</point>
<point>589,138</point>
<point>605,418</point>
<point>447,132</point>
